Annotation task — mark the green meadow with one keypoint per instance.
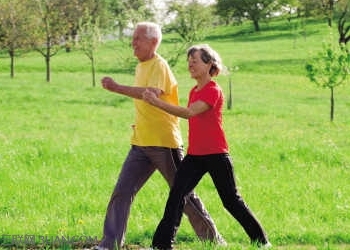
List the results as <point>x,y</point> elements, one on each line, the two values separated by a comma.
<point>62,144</point>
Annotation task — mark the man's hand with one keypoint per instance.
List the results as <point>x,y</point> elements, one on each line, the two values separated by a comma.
<point>109,84</point>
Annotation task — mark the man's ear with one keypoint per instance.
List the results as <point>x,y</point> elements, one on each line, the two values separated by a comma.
<point>154,42</point>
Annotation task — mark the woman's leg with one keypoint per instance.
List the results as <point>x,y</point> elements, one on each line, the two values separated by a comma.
<point>167,160</point>
<point>186,179</point>
<point>222,173</point>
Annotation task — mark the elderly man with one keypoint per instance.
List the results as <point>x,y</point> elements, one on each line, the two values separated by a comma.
<point>156,142</point>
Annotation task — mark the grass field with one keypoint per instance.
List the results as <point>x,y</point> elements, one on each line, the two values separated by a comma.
<point>62,144</point>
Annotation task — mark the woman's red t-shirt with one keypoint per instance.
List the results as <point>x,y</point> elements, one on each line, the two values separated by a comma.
<point>206,134</point>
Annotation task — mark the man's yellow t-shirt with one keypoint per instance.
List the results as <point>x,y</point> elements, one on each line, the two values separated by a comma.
<point>153,126</point>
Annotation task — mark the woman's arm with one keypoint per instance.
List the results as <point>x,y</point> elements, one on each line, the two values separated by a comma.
<point>194,109</point>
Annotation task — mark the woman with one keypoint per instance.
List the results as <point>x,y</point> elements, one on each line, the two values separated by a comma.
<point>207,151</point>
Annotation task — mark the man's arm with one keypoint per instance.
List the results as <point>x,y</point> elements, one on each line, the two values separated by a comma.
<point>131,91</point>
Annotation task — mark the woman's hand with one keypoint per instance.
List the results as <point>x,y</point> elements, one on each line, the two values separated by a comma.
<point>149,96</point>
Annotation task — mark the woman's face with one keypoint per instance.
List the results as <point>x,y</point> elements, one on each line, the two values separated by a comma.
<point>197,68</point>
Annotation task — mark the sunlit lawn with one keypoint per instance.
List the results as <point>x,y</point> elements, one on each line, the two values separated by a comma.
<point>62,144</point>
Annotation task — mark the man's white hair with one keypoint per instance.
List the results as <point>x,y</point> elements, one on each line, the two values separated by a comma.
<point>153,30</point>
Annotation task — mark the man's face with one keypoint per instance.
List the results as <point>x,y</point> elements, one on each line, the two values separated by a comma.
<point>144,47</point>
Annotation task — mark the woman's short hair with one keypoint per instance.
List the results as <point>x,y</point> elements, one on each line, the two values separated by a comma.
<point>208,55</point>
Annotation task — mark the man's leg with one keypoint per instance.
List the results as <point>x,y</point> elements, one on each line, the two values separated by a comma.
<point>200,219</point>
<point>134,173</point>
<point>167,161</point>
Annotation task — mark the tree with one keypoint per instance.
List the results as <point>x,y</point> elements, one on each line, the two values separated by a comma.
<point>89,39</point>
<point>13,28</point>
<point>330,69</point>
<point>225,11</point>
<point>75,10</point>
<point>129,12</point>
<point>254,10</point>
<point>343,29</point>
<point>191,20</point>
<point>309,8</point>
<point>191,23</point>
<point>320,8</point>
<point>328,7</point>
<point>48,34</point>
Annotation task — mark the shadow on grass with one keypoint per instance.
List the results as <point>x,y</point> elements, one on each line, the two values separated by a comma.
<point>250,36</point>
<point>280,66</point>
<point>279,29</point>
<point>137,241</point>
<point>29,244</point>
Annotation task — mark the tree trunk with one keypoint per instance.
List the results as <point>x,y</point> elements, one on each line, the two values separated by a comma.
<point>329,22</point>
<point>330,11</point>
<point>229,101</point>
<point>332,104</point>
<point>12,63</point>
<point>93,71</point>
<point>47,61</point>
<point>256,25</point>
